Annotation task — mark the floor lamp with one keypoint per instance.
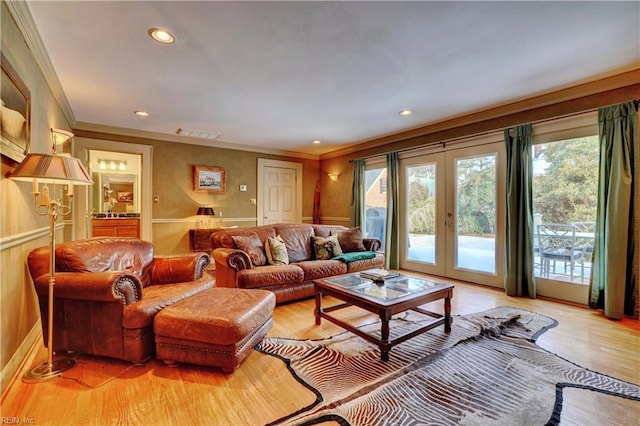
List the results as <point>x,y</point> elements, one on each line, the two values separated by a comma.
<point>51,169</point>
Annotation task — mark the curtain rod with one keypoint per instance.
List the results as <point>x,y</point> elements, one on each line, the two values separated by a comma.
<point>453,140</point>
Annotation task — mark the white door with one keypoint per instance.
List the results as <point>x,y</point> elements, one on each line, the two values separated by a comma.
<point>452,207</point>
<point>279,195</point>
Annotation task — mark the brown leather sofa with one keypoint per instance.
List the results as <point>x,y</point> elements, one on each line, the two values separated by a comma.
<point>108,292</point>
<point>234,267</point>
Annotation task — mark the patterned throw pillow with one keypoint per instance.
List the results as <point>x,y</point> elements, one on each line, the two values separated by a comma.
<point>276,251</point>
<point>350,240</point>
<point>326,247</point>
<point>252,245</point>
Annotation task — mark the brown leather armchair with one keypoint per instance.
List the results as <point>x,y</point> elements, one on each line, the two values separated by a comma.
<point>108,291</point>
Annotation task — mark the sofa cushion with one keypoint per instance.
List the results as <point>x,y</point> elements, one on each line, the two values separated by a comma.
<point>270,275</point>
<point>350,240</point>
<point>297,238</point>
<point>325,248</point>
<point>106,254</point>
<point>361,265</point>
<point>314,269</point>
<point>276,251</point>
<point>224,237</point>
<point>252,245</point>
<point>157,297</point>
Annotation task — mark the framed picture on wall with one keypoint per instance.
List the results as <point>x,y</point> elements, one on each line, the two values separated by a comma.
<point>125,196</point>
<point>209,179</point>
<point>15,103</point>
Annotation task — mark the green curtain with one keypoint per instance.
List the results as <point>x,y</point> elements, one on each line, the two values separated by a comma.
<point>613,281</point>
<point>392,236</point>
<point>357,193</point>
<point>518,265</point>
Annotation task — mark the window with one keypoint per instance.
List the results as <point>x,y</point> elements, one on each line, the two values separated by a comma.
<point>375,203</point>
<point>383,186</point>
<point>565,198</point>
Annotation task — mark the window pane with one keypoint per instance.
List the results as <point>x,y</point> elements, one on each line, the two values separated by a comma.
<point>476,213</point>
<point>565,196</point>
<point>375,201</point>
<point>421,212</point>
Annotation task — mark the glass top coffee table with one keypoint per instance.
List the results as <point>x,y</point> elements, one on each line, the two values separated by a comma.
<point>385,299</point>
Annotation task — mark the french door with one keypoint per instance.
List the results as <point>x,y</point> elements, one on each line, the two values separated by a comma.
<point>452,213</point>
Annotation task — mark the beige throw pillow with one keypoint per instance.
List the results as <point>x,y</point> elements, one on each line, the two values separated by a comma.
<point>252,245</point>
<point>276,251</point>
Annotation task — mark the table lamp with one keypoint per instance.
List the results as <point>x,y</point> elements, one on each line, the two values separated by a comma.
<point>205,213</point>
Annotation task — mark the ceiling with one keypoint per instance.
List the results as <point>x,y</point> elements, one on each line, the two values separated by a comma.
<point>282,74</point>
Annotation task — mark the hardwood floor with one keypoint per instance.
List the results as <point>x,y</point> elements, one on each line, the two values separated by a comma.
<point>262,389</point>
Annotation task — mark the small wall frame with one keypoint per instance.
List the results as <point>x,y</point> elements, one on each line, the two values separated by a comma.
<point>209,179</point>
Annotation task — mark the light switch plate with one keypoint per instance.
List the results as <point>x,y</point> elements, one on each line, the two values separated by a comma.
<point>243,188</point>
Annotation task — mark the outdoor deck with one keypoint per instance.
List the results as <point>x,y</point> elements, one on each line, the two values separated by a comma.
<point>478,254</point>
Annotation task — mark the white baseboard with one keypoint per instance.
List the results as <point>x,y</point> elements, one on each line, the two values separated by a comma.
<point>22,359</point>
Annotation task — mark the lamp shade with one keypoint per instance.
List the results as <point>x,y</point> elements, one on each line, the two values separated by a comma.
<point>205,211</point>
<point>51,168</point>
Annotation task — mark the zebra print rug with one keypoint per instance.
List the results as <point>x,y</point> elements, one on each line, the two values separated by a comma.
<point>487,371</point>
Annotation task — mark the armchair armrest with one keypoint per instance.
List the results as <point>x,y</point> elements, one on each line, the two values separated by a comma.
<point>118,286</point>
<point>232,258</point>
<point>179,268</point>
<point>372,244</point>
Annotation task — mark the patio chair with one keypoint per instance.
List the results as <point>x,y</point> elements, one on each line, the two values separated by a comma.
<point>557,242</point>
<point>585,235</point>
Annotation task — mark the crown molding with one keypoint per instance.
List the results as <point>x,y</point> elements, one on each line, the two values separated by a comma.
<point>21,14</point>
<point>99,131</point>
<point>626,79</point>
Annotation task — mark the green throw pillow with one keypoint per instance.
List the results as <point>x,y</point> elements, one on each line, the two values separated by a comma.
<point>276,251</point>
<point>326,247</point>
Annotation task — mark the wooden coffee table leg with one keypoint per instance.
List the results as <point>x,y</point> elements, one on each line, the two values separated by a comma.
<point>318,309</point>
<point>384,336</point>
<point>447,314</point>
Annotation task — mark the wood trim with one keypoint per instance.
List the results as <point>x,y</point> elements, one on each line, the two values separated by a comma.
<point>24,237</point>
<point>118,134</point>
<point>578,99</point>
<point>21,360</point>
<point>21,14</point>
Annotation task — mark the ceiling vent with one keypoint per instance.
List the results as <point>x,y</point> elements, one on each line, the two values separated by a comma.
<point>197,134</point>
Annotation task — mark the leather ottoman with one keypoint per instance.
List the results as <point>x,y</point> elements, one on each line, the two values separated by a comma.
<point>218,327</point>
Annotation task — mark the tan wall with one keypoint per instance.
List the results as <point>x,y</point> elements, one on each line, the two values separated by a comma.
<point>173,163</point>
<point>335,198</point>
<point>173,182</point>
<point>20,229</point>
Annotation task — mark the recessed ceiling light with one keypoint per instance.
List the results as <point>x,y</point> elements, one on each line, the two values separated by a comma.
<point>316,142</point>
<point>141,113</point>
<point>161,36</point>
<point>405,112</point>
